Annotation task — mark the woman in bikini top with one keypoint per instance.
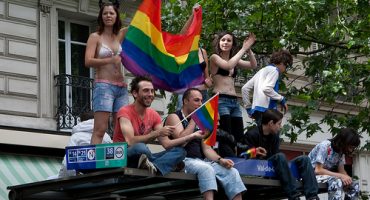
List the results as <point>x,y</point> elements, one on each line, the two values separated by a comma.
<point>226,59</point>
<point>103,54</point>
<point>223,65</point>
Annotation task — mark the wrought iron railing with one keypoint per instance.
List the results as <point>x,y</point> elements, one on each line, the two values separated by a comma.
<point>74,97</point>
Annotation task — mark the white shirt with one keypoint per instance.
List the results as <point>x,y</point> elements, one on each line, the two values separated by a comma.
<point>264,84</point>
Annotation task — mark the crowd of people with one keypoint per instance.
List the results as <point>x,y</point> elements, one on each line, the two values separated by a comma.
<point>138,124</point>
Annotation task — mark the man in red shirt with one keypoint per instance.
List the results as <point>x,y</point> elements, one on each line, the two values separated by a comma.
<point>138,124</point>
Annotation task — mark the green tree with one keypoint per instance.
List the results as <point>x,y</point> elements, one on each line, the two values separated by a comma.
<point>337,70</point>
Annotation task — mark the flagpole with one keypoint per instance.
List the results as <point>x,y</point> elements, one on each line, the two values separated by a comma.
<point>197,109</point>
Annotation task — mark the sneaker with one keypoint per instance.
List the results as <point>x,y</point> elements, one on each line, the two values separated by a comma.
<point>180,167</point>
<point>144,163</point>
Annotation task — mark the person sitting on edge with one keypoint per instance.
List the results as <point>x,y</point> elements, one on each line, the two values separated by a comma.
<point>328,161</point>
<point>137,124</point>
<point>265,86</point>
<point>266,136</point>
<point>201,159</point>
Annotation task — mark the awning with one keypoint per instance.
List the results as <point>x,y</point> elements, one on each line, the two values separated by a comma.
<point>20,169</point>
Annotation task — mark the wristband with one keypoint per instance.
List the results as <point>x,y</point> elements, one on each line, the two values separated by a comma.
<point>219,159</point>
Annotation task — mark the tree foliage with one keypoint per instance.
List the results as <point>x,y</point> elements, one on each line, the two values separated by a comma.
<point>330,37</point>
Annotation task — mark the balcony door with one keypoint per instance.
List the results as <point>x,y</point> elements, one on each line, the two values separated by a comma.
<point>74,80</point>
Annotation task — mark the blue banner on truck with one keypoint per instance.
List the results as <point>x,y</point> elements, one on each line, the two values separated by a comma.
<point>264,168</point>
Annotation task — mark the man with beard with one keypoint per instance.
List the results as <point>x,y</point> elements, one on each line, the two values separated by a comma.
<point>137,124</point>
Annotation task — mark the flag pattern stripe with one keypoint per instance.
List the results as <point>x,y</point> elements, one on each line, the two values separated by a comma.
<point>162,79</point>
<point>206,118</point>
<point>166,62</point>
<point>156,38</point>
<point>170,59</point>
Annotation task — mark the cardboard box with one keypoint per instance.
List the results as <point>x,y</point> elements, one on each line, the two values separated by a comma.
<point>96,156</point>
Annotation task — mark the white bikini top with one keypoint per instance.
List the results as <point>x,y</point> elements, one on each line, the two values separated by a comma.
<point>105,51</point>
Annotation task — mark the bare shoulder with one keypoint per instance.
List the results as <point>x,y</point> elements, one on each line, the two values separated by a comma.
<point>214,56</point>
<point>172,119</point>
<point>95,37</point>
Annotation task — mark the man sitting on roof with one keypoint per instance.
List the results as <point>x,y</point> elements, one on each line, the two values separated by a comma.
<point>201,159</point>
<point>137,124</point>
<point>266,135</point>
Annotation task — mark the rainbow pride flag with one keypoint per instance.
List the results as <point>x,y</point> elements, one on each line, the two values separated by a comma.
<point>171,60</point>
<point>206,118</point>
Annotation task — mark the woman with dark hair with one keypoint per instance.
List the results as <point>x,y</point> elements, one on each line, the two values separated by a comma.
<point>103,54</point>
<point>223,64</point>
<point>327,158</point>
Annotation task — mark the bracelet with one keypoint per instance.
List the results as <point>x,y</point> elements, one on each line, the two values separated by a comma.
<point>219,159</point>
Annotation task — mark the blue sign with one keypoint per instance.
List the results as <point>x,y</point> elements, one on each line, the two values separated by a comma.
<point>264,168</point>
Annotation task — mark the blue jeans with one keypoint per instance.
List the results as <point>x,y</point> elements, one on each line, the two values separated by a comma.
<point>209,172</point>
<point>164,161</point>
<point>287,180</point>
<point>229,105</point>
<point>108,97</point>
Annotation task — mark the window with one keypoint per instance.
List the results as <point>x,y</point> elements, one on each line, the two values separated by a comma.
<point>74,79</point>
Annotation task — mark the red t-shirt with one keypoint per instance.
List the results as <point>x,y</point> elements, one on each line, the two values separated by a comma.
<point>140,126</point>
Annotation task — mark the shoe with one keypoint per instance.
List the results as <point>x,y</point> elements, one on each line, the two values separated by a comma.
<point>180,167</point>
<point>144,163</point>
<point>295,197</point>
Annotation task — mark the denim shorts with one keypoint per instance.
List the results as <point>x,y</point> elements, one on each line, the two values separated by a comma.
<point>229,105</point>
<point>108,97</point>
<point>209,172</point>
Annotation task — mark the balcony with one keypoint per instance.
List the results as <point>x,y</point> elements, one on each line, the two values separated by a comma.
<point>74,94</point>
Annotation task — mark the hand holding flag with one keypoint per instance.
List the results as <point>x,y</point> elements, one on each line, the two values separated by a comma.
<point>206,118</point>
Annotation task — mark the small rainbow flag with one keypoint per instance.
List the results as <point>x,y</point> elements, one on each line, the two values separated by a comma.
<point>206,117</point>
<point>170,59</point>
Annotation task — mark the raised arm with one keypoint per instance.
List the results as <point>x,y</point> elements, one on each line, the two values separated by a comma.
<point>236,59</point>
<point>121,34</point>
<point>252,63</point>
<point>190,19</point>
